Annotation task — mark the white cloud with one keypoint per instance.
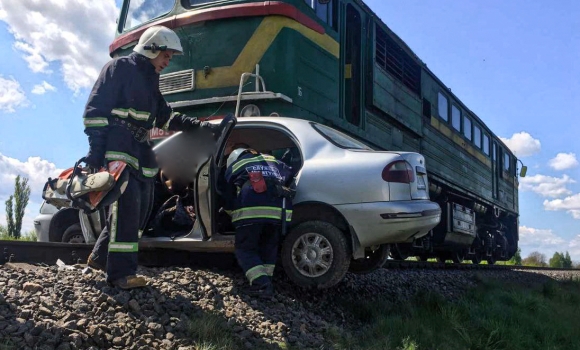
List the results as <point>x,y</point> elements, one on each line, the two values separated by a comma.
<point>35,61</point>
<point>546,242</point>
<point>547,186</point>
<point>73,34</point>
<point>571,204</point>
<point>41,89</point>
<point>11,95</point>
<point>37,171</point>
<point>564,161</point>
<point>539,238</point>
<point>522,144</point>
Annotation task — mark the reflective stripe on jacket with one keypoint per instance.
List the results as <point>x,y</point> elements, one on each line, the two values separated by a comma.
<point>249,206</point>
<point>127,90</point>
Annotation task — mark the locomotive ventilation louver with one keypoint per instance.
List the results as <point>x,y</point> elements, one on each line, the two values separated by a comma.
<point>172,83</point>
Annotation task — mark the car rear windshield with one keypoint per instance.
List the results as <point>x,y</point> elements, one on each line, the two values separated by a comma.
<point>339,139</point>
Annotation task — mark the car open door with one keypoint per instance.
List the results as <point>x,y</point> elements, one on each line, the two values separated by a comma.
<point>207,181</point>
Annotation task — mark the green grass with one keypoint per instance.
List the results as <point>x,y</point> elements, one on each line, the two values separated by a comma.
<point>493,316</point>
<point>28,236</point>
<point>209,332</point>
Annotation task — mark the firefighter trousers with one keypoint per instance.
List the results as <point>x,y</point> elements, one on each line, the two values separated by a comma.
<point>256,250</point>
<point>117,245</point>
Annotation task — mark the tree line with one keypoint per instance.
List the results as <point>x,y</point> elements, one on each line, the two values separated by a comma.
<point>558,260</point>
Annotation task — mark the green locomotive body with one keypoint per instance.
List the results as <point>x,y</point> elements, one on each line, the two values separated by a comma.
<point>336,62</point>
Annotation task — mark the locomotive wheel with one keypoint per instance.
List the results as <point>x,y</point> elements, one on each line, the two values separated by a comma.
<point>476,259</point>
<point>422,258</point>
<point>315,254</point>
<point>457,257</point>
<point>372,261</point>
<point>491,260</point>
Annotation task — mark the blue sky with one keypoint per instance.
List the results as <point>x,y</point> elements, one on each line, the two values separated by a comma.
<point>513,63</point>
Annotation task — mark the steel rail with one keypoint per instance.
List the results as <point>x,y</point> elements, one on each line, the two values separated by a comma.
<point>48,253</point>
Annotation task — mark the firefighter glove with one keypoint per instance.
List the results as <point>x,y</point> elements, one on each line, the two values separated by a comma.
<point>182,122</point>
<point>95,158</point>
<point>215,129</point>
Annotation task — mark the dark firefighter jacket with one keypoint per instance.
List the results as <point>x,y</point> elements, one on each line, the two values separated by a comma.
<point>248,206</point>
<point>127,93</point>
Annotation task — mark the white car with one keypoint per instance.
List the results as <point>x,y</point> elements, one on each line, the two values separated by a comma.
<point>351,201</point>
<point>65,229</point>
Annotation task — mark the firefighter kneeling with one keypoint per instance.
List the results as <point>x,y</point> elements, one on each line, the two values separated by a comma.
<point>260,200</point>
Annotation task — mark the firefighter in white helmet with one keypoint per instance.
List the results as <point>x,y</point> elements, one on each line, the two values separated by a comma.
<point>125,103</point>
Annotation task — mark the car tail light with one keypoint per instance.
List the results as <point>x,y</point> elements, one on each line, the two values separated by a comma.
<point>399,171</point>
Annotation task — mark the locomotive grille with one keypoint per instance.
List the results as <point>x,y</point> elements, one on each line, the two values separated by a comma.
<point>172,83</point>
<point>393,59</point>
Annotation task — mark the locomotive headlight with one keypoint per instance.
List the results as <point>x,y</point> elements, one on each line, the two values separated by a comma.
<point>250,111</point>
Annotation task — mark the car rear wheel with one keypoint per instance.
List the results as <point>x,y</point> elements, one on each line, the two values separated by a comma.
<point>373,260</point>
<point>400,251</point>
<point>73,234</point>
<point>315,254</point>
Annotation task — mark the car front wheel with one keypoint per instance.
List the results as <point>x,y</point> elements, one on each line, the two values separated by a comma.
<point>73,234</point>
<point>315,254</point>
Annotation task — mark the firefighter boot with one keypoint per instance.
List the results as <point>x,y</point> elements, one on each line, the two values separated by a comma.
<point>130,282</point>
<point>94,265</point>
<point>263,291</point>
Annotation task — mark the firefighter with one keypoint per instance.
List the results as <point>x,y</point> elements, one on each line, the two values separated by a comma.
<point>256,186</point>
<point>124,104</point>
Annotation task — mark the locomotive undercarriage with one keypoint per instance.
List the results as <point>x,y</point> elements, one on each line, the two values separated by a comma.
<point>468,231</point>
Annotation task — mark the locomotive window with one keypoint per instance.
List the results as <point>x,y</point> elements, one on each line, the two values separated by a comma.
<point>456,118</point>
<point>477,136</point>
<point>199,2</point>
<point>486,144</point>
<point>506,162</point>
<point>323,11</point>
<point>140,12</point>
<point>467,127</point>
<point>442,105</point>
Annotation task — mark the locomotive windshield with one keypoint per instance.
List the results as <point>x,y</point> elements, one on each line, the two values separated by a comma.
<point>141,11</point>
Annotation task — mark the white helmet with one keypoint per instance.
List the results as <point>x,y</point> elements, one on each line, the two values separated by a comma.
<point>234,156</point>
<point>156,39</point>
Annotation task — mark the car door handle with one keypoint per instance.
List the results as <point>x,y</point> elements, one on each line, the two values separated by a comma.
<point>205,175</point>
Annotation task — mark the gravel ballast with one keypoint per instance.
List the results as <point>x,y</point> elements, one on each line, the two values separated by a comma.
<point>72,308</point>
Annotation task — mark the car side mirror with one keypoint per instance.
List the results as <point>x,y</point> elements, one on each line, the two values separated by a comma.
<point>523,171</point>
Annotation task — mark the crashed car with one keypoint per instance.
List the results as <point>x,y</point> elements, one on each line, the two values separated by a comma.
<point>351,201</point>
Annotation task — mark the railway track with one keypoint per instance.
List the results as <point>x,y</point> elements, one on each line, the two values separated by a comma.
<point>41,253</point>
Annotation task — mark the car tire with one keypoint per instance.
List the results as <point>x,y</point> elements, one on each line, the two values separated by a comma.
<point>73,234</point>
<point>400,251</point>
<point>372,261</point>
<point>309,244</point>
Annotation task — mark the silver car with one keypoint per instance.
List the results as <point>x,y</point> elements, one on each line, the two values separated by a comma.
<point>351,201</point>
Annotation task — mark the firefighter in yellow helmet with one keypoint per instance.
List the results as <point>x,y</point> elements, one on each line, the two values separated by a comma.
<point>124,104</point>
